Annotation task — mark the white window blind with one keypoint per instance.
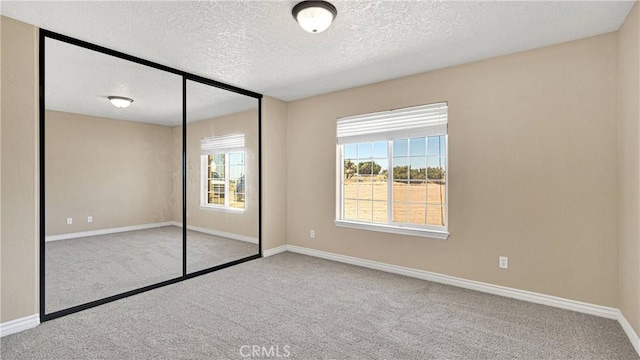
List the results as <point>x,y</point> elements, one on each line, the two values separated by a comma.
<point>423,120</point>
<point>222,144</point>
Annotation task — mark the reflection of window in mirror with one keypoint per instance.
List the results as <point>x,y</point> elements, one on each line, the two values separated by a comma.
<point>223,169</point>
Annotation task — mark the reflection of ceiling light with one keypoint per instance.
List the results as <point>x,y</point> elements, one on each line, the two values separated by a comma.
<point>314,16</point>
<point>120,102</point>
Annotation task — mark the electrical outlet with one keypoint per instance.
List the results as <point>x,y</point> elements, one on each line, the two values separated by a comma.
<point>503,262</point>
<point>312,234</point>
<point>69,221</point>
<point>89,219</point>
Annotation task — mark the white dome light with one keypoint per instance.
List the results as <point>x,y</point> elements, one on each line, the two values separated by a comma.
<point>314,16</point>
<point>120,102</point>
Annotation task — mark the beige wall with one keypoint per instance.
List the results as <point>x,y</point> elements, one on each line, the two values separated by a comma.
<point>629,167</point>
<point>532,169</point>
<point>245,223</point>
<point>19,159</point>
<point>274,173</point>
<point>118,172</point>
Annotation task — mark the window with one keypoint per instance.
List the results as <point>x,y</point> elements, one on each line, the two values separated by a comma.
<point>223,172</point>
<point>393,171</point>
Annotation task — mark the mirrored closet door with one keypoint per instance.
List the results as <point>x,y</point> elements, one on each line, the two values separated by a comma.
<point>149,175</point>
<point>112,176</point>
<point>222,176</point>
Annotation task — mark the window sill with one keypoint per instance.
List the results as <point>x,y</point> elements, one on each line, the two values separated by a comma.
<point>222,209</point>
<point>435,234</point>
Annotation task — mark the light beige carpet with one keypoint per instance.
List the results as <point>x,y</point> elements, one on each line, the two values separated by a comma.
<point>91,268</point>
<point>311,308</point>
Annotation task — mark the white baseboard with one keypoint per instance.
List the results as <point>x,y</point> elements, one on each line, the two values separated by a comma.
<point>14,326</point>
<point>631,334</point>
<point>554,301</point>
<point>218,233</point>
<point>558,302</point>
<point>275,250</point>
<point>107,231</point>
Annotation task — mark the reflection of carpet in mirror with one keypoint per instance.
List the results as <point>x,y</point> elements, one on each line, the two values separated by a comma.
<point>91,268</point>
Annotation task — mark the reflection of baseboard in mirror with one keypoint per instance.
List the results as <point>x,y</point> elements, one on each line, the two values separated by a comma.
<point>224,234</point>
<point>107,231</point>
<point>116,180</point>
<point>214,232</point>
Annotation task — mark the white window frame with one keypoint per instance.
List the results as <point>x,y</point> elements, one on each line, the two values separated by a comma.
<point>430,231</point>
<point>217,145</point>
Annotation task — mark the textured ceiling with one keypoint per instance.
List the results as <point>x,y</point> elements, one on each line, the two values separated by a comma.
<point>258,46</point>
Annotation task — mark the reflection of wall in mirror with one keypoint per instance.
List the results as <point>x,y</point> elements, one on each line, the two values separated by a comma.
<point>121,173</point>
<point>245,222</point>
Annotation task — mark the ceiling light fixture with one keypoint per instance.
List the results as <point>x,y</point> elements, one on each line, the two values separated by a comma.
<point>120,102</point>
<point>314,16</point>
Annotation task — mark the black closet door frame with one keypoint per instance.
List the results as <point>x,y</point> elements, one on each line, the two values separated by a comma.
<point>44,34</point>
